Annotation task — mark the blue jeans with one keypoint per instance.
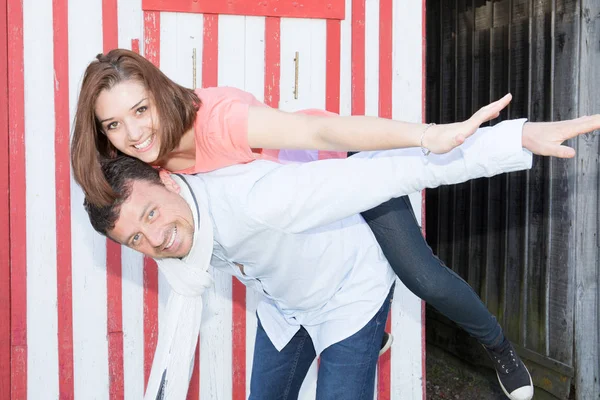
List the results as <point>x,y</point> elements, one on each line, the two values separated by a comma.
<point>400,238</point>
<point>346,368</point>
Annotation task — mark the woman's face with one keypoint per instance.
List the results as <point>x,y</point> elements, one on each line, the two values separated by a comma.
<point>129,119</point>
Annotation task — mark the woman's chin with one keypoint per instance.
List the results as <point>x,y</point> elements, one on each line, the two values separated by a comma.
<point>149,157</point>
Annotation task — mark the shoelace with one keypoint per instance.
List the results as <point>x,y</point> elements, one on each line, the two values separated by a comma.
<point>506,358</point>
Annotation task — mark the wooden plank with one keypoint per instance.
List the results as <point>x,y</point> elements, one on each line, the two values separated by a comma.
<point>562,205</point>
<point>407,355</point>
<point>587,223</point>
<point>385,86</point>
<point>4,211</point>
<point>232,72</point>
<point>88,248</point>
<point>329,9</point>
<point>62,211</point>
<point>534,329</point>
<point>491,281</point>
<point>44,375</point>
<point>152,53</point>
<point>479,189</point>
<point>17,194</point>
<point>516,237</point>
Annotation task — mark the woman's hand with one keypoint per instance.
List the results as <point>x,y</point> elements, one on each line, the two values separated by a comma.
<point>443,138</point>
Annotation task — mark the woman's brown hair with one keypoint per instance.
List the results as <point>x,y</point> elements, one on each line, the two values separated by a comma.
<point>176,107</point>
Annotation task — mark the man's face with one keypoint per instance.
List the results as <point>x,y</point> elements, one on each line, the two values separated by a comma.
<point>155,220</point>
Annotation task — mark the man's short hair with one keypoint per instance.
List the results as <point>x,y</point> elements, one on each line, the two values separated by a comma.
<point>120,172</point>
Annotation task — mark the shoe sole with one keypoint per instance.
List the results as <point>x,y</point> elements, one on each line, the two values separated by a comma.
<point>504,389</point>
<point>387,345</point>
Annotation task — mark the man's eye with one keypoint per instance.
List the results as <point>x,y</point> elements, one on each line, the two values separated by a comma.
<point>151,214</point>
<point>141,109</point>
<point>136,239</point>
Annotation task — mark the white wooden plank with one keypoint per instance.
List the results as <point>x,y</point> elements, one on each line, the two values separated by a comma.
<point>168,63</point>
<point>215,336</point>
<point>371,57</point>
<point>189,38</point>
<point>346,62</point>
<point>215,339</point>
<point>254,82</point>
<point>406,105</point>
<point>130,23</point>
<point>587,274</point>
<point>90,348</point>
<point>130,26</point>
<point>42,352</point>
<point>133,323</point>
<point>311,67</point>
<point>181,33</point>
<point>232,33</point>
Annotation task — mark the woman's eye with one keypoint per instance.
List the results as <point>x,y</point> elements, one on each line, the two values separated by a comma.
<point>111,126</point>
<point>141,110</point>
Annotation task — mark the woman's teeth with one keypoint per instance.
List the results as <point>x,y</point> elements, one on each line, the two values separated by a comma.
<point>144,144</point>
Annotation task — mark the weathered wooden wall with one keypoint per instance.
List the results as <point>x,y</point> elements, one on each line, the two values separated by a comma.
<point>527,242</point>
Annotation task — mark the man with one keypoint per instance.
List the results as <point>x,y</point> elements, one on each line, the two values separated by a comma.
<point>293,233</point>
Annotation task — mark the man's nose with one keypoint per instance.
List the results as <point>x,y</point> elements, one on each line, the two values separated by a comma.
<point>155,236</point>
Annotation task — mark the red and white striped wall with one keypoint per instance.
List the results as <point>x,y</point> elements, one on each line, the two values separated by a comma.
<point>80,316</point>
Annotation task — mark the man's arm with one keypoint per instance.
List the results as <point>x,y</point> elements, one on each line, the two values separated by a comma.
<point>300,197</point>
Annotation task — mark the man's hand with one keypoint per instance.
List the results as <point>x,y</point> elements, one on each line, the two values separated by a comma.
<point>443,138</point>
<point>546,138</point>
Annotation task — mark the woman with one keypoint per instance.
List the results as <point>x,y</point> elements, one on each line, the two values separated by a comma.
<point>127,105</point>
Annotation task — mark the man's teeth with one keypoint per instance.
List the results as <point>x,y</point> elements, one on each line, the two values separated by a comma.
<point>172,240</point>
<point>144,144</point>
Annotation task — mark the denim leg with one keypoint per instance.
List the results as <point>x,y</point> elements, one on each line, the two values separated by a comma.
<point>278,375</point>
<point>399,236</point>
<point>347,368</point>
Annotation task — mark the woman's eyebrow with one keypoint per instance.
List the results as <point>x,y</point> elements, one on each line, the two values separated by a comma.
<point>134,106</point>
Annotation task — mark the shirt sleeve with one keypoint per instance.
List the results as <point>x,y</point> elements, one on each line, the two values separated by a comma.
<point>222,128</point>
<point>299,197</point>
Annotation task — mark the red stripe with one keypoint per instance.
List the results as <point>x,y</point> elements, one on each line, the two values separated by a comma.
<point>272,61</point>
<point>210,51</point>
<point>332,77</point>
<point>152,53</point>
<point>110,33</point>
<point>358,57</point>
<point>114,290</point>
<point>114,298</point>
<point>150,314</point>
<point>272,68</point>
<point>385,111</point>
<point>238,333</point>
<point>264,8</point>
<point>384,380</point>
<point>194,389</point>
<point>4,212</point>
<point>423,228</point>
<point>385,58</point>
<point>17,196</point>
<point>60,16</point>
<point>135,45</point>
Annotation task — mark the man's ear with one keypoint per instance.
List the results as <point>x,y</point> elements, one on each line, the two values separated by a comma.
<point>171,185</point>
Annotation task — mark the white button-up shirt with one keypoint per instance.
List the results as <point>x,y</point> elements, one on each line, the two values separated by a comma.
<point>293,232</point>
